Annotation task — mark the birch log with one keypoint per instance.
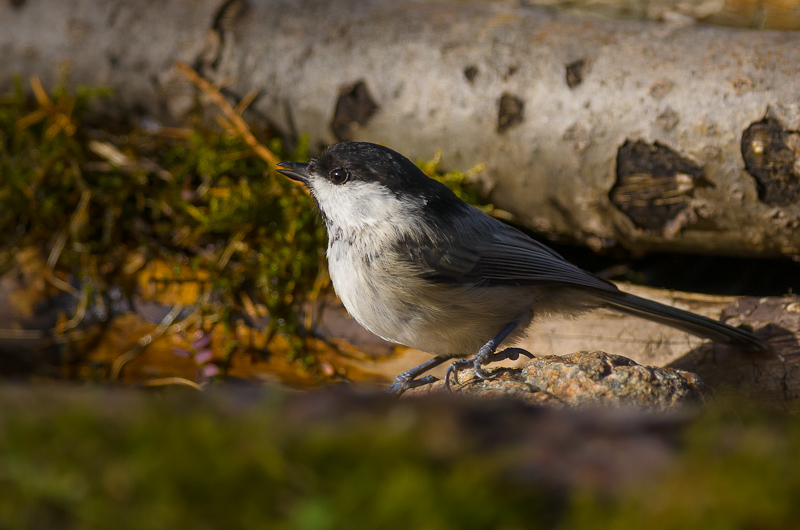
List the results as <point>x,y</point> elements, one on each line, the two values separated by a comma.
<point>606,132</point>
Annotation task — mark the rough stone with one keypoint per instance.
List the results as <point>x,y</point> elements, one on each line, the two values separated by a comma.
<point>580,380</point>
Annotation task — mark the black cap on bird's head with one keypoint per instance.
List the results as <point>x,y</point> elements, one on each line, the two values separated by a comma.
<point>363,162</point>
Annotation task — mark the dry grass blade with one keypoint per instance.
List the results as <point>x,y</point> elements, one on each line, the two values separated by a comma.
<point>231,114</point>
<point>77,220</point>
<point>59,114</point>
<point>172,381</point>
<point>144,342</point>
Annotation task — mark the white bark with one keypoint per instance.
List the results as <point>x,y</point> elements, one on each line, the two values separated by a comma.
<point>486,84</point>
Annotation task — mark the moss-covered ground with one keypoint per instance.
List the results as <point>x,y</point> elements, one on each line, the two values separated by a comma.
<point>194,219</point>
<point>97,459</point>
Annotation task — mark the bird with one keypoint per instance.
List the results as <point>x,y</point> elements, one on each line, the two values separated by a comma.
<point>417,266</point>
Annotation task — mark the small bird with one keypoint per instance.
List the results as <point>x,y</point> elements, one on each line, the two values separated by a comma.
<point>417,266</point>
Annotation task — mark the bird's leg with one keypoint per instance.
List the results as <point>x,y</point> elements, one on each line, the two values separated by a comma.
<point>485,355</point>
<point>407,379</point>
<point>487,350</point>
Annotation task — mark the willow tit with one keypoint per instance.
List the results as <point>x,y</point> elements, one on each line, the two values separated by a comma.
<point>417,266</point>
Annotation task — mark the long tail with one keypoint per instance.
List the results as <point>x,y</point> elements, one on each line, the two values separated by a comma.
<point>683,320</point>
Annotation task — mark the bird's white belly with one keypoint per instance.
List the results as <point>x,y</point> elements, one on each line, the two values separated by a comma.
<point>437,318</point>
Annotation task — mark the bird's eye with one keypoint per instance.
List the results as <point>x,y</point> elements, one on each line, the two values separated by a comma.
<point>340,175</point>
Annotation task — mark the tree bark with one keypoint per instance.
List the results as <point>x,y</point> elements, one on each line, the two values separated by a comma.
<point>607,132</point>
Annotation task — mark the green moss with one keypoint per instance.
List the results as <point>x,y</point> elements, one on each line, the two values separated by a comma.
<point>458,181</point>
<point>204,200</point>
<point>206,464</point>
<point>739,468</point>
<point>93,460</point>
<point>91,198</point>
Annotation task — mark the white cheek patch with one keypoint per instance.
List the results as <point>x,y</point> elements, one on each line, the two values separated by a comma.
<point>354,206</point>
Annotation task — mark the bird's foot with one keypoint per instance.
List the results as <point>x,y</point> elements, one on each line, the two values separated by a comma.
<point>512,354</point>
<point>402,383</point>
<point>408,379</point>
<point>454,368</point>
<point>484,357</point>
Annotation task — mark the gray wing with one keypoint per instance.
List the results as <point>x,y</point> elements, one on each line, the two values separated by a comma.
<point>502,255</point>
<point>488,252</point>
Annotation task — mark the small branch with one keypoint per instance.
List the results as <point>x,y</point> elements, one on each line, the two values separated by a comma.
<point>231,114</point>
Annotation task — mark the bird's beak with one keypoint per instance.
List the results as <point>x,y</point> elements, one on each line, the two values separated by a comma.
<point>294,171</point>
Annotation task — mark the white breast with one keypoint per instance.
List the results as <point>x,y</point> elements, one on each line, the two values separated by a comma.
<point>384,291</point>
<point>361,224</point>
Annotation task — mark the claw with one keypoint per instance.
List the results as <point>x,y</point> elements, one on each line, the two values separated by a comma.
<point>454,368</point>
<point>407,380</point>
<point>477,362</point>
<point>512,354</point>
<point>486,355</point>
<point>402,384</point>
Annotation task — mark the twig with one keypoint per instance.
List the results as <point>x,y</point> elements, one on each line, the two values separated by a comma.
<point>232,116</point>
<point>144,342</point>
<point>60,113</point>
<point>165,381</point>
<point>78,218</point>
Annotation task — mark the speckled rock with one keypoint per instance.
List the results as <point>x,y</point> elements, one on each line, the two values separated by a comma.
<point>582,379</point>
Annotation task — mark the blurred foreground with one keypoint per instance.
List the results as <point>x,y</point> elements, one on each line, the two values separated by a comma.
<point>92,459</point>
